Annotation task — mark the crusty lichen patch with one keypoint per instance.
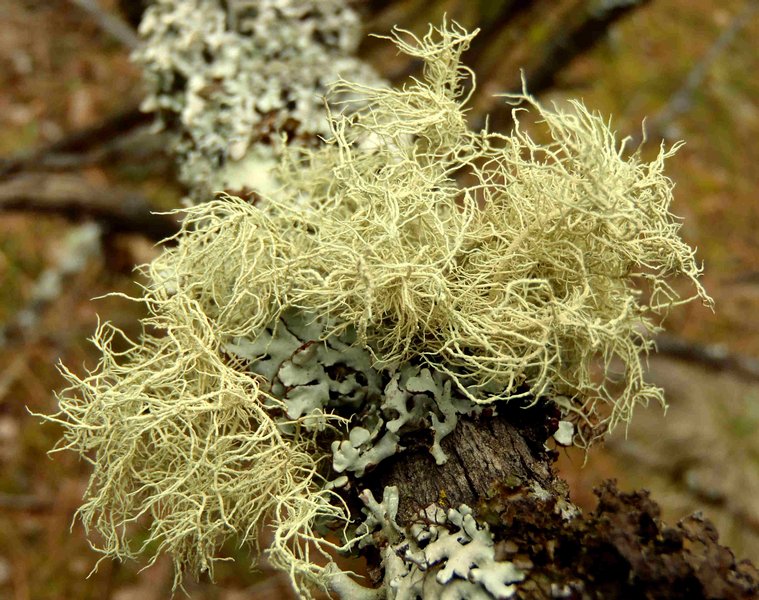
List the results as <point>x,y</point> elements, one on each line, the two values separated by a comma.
<point>225,75</point>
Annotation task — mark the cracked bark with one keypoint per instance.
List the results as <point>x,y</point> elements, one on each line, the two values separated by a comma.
<point>620,550</point>
<point>481,451</point>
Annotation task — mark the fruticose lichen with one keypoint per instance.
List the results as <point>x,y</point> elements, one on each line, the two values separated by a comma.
<point>511,266</point>
<point>183,442</point>
<point>408,271</point>
<point>226,76</point>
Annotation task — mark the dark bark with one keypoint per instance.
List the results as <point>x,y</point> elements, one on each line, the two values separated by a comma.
<point>78,142</point>
<point>583,29</point>
<point>620,550</point>
<point>482,452</point>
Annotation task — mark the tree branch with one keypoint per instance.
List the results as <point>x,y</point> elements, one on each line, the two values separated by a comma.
<point>712,356</point>
<point>500,467</point>
<point>78,142</point>
<point>574,38</point>
<point>74,198</point>
<point>112,24</point>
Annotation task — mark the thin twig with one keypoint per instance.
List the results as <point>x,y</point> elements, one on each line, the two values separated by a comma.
<point>681,101</point>
<point>575,39</point>
<point>82,140</point>
<point>71,196</point>
<point>113,25</point>
<point>569,38</point>
<point>712,356</point>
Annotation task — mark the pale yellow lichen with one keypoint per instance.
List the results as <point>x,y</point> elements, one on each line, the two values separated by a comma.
<point>187,455</point>
<point>510,265</point>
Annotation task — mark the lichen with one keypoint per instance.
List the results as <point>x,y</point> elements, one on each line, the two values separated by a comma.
<point>314,376</point>
<point>225,75</point>
<point>401,275</point>
<point>513,267</point>
<point>446,554</point>
<point>184,449</point>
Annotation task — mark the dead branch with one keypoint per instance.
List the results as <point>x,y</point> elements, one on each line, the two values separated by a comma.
<point>112,24</point>
<point>575,36</point>
<point>712,356</point>
<point>538,40</point>
<point>74,198</point>
<point>499,466</point>
<point>78,142</point>
<point>681,101</point>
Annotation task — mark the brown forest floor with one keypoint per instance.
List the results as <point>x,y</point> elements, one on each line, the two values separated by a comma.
<point>59,72</point>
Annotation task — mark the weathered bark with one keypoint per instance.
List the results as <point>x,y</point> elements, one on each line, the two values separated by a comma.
<point>483,453</point>
<point>620,550</point>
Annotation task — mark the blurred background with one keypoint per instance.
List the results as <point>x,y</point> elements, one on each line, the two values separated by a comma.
<point>80,169</point>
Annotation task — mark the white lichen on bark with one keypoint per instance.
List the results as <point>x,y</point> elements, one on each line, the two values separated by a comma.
<point>224,76</point>
<point>446,554</point>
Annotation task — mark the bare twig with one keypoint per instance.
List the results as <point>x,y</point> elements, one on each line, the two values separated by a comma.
<point>712,356</point>
<point>113,25</point>
<point>543,42</point>
<point>491,31</point>
<point>682,100</point>
<point>77,142</point>
<point>24,502</point>
<point>574,39</point>
<point>74,198</point>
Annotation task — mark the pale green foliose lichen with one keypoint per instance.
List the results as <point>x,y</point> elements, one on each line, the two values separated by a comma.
<point>447,554</point>
<point>403,274</point>
<point>313,375</point>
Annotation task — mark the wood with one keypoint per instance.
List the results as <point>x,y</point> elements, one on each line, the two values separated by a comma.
<point>481,451</point>
<point>620,550</point>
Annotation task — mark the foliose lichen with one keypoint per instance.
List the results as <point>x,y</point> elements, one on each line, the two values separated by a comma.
<point>446,554</point>
<point>315,376</point>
